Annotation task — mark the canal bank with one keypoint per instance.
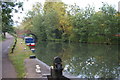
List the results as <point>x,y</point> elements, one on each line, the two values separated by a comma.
<point>26,67</point>
<point>30,67</point>
<point>20,53</point>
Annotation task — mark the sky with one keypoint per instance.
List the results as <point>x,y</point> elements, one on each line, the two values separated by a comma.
<point>81,3</point>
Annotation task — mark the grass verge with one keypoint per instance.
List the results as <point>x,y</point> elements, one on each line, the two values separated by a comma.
<point>2,38</point>
<point>18,57</point>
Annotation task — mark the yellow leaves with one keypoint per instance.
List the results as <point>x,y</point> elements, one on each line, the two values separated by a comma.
<point>60,9</point>
<point>70,28</point>
<point>66,25</point>
<point>118,14</point>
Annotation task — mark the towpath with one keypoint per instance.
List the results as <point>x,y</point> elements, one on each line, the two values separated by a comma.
<point>8,70</point>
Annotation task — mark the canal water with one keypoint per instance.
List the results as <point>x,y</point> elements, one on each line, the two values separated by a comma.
<point>83,60</point>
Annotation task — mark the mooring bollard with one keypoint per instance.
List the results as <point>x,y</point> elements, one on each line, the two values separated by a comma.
<point>56,70</point>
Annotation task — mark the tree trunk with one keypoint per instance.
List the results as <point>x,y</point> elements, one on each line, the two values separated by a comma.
<point>4,34</point>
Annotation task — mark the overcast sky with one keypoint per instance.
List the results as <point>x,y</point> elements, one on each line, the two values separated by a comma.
<point>82,3</point>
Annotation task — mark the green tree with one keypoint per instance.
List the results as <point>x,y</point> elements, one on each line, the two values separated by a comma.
<point>7,9</point>
<point>58,21</point>
<point>110,21</point>
<point>81,23</point>
<point>64,25</point>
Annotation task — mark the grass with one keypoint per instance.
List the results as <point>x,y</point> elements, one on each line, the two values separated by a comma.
<point>1,38</point>
<point>18,57</point>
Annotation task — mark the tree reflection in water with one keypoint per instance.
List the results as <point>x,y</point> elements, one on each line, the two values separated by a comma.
<point>83,60</point>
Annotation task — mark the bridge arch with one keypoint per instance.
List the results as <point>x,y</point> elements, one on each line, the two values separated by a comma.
<point>34,36</point>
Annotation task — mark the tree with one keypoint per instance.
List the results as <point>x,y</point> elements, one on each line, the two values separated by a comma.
<point>7,9</point>
<point>64,26</point>
<point>81,23</point>
<point>58,21</point>
<point>110,21</point>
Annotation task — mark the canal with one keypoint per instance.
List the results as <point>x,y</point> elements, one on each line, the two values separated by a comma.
<point>83,60</point>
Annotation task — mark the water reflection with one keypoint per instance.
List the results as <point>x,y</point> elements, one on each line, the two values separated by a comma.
<point>83,60</point>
